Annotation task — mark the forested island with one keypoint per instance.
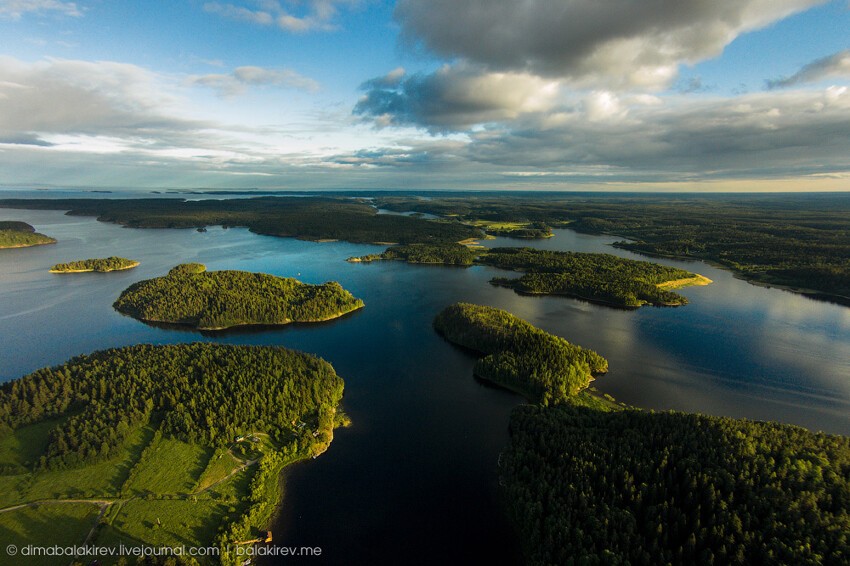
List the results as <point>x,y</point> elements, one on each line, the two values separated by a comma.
<point>215,300</point>
<point>797,241</point>
<point>309,218</point>
<point>440,254</point>
<point>542,367</point>
<point>14,234</point>
<point>160,445</point>
<point>587,481</point>
<point>100,265</point>
<point>601,278</point>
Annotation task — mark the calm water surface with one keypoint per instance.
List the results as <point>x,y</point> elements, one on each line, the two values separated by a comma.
<point>414,480</point>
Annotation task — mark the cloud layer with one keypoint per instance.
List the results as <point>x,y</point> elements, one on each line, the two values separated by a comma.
<point>15,9</point>
<point>595,43</point>
<point>316,15</point>
<point>241,78</point>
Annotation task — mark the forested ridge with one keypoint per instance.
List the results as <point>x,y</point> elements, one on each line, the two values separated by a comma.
<point>200,393</point>
<point>112,263</point>
<point>220,299</point>
<point>311,218</point>
<point>597,277</point>
<point>519,356</point>
<point>15,234</point>
<point>793,240</point>
<point>589,487</point>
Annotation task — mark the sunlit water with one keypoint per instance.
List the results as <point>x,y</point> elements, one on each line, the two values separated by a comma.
<point>414,480</point>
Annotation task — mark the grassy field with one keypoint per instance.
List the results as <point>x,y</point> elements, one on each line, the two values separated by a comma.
<point>20,449</point>
<point>97,481</point>
<point>61,524</point>
<point>168,466</point>
<point>166,522</point>
<point>220,465</point>
<point>103,479</point>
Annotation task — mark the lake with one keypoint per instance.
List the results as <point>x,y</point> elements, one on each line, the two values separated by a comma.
<point>413,480</point>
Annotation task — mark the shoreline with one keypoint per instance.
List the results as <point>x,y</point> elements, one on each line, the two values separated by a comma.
<point>18,246</point>
<point>191,326</point>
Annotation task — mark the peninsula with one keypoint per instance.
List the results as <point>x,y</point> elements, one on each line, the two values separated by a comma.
<point>519,356</point>
<point>587,480</point>
<point>216,300</point>
<point>103,265</point>
<point>599,278</point>
<point>161,445</point>
<point>14,234</point>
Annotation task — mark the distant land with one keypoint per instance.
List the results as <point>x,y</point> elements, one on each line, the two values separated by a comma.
<point>14,234</point>
<point>800,242</point>
<point>100,265</point>
<point>216,300</point>
<point>796,241</point>
<point>309,218</point>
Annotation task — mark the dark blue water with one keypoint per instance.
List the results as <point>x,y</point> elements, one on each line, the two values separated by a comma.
<point>414,480</point>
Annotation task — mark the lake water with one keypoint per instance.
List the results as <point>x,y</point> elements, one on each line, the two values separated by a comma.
<point>413,481</point>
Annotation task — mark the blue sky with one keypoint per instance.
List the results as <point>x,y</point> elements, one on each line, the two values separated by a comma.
<point>481,94</point>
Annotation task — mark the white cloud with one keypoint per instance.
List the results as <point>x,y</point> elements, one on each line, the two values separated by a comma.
<point>313,14</point>
<point>15,9</point>
<point>61,95</point>
<point>834,66</point>
<point>241,78</point>
<point>608,44</point>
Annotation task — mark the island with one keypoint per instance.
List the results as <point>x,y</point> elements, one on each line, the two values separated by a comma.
<point>599,278</point>
<point>439,254</point>
<point>177,445</point>
<point>586,480</point>
<point>216,300</point>
<point>15,234</point>
<point>103,265</point>
<point>518,356</point>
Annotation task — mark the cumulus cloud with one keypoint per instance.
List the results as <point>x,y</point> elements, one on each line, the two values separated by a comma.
<point>453,97</point>
<point>833,66</point>
<point>15,9</point>
<point>594,43</point>
<point>757,135</point>
<point>315,14</point>
<point>241,78</point>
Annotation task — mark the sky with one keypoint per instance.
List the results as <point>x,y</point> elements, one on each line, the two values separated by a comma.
<point>660,95</point>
